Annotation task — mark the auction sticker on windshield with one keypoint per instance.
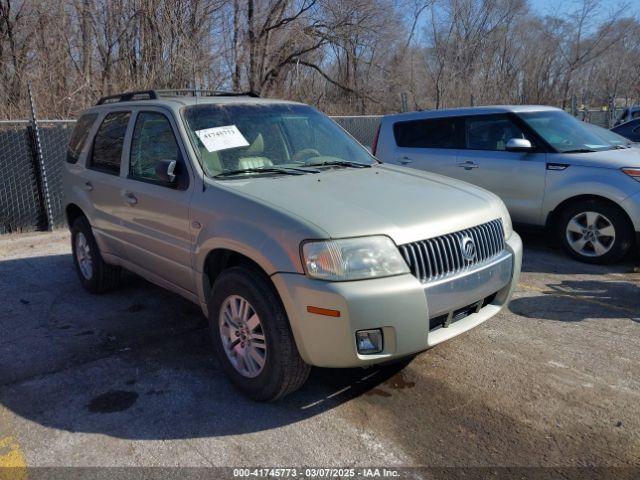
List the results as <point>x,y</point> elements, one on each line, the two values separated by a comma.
<point>221,138</point>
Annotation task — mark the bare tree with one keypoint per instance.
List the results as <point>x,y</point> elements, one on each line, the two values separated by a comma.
<point>582,47</point>
<point>344,56</point>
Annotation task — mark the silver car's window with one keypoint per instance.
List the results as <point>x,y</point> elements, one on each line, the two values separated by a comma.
<point>491,132</point>
<point>276,136</point>
<point>430,133</point>
<point>564,133</point>
<point>153,141</point>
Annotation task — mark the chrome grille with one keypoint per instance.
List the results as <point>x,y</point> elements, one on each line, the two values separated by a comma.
<point>438,257</point>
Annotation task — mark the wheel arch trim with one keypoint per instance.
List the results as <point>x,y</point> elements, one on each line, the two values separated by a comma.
<point>554,214</point>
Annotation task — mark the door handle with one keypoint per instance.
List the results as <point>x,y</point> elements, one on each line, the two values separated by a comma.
<point>405,161</point>
<point>87,186</point>
<point>130,198</point>
<point>468,165</point>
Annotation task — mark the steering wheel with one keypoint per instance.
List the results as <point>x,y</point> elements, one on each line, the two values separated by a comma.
<point>301,155</point>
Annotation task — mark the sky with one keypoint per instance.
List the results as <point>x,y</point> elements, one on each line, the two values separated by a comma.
<point>555,7</point>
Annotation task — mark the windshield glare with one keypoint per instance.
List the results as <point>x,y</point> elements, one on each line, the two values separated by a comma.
<point>267,136</point>
<point>564,132</point>
<point>611,137</point>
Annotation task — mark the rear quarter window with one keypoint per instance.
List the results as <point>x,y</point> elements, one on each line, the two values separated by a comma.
<point>79,136</point>
<point>430,133</point>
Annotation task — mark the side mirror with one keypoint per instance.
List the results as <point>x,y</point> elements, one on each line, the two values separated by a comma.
<point>165,170</point>
<point>519,145</point>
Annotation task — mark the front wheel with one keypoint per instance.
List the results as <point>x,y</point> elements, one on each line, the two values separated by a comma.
<point>252,337</point>
<point>595,232</point>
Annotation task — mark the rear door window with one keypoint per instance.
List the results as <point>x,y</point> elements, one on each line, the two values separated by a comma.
<point>430,133</point>
<point>107,145</point>
<point>79,136</point>
<point>491,132</point>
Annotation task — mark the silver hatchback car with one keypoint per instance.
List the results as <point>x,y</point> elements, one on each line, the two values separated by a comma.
<point>300,247</point>
<point>550,169</point>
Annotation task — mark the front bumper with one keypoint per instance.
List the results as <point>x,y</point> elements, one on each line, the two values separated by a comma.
<point>401,306</point>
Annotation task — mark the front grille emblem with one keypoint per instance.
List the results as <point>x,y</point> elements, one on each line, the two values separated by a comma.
<point>438,257</point>
<point>468,248</point>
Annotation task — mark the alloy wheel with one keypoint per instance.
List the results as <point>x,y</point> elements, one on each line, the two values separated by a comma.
<point>590,234</point>
<point>83,256</point>
<point>242,336</point>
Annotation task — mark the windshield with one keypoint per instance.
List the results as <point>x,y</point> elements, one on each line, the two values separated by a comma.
<point>612,137</point>
<point>565,133</point>
<point>258,138</point>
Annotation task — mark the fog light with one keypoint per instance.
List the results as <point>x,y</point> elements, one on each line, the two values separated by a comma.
<point>369,341</point>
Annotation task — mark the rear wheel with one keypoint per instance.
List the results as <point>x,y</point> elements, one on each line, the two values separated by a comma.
<point>594,231</point>
<point>252,337</point>
<point>95,275</point>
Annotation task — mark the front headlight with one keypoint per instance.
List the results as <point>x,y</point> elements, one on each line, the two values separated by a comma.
<point>352,258</point>
<point>506,221</point>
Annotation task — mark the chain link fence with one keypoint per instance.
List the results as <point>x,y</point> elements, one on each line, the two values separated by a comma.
<point>602,118</point>
<point>23,193</point>
<point>363,128</point>
<point>20,196</point>
<point>54,137</point>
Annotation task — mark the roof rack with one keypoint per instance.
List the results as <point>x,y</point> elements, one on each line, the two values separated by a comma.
<point>179,92</point>
<point>128,96</point>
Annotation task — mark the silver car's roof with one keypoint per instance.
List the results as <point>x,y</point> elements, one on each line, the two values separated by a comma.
<point>454,112</point>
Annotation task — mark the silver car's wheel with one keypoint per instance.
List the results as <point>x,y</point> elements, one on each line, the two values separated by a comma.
<point>242,336</point>
<point>83,256</point>
<point>591,234</point>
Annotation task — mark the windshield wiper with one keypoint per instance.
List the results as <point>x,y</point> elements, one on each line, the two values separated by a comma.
<point>282,170</point>
<point>302,169</point>
<point>342,163</point>
<point>580,150</point>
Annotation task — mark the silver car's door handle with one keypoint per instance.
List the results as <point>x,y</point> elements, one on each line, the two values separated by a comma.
<point>468,165</point>
<point>405,161</point>
<point>130,198</point>
<point>87,186</point>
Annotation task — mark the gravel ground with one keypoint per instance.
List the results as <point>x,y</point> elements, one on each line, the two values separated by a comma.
<point>128,379</point>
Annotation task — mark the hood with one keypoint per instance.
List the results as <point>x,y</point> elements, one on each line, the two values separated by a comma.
<point>627,157</point>
<point>407,205</point>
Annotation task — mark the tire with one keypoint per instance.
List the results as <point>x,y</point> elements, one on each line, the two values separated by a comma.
<point>283,370</point>
<point>580,221</point>
<point>100,277</point>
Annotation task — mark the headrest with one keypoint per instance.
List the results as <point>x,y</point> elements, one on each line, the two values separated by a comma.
<point>256,148</point>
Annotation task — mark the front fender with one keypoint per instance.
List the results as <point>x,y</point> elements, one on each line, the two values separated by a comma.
<point>269,236</point>
<point>577,181</point>
<point>267,248</point>
<point>260,245</point>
